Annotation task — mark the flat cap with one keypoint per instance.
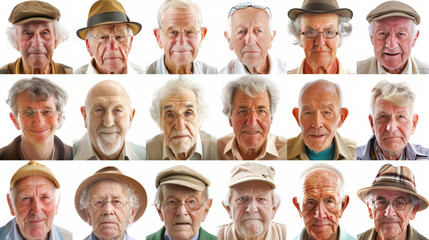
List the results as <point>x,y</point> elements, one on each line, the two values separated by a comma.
<point>252,172</point>
<point>29,11</point>
<point>33,168</point>
<point>183,176</point>
<point>393,9</point>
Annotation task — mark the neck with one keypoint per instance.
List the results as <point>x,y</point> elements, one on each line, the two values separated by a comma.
<point>249,153</point>
<point>395,71</point>
<point>183,155</point>
<point>43,70</point>
<point>178,69</point>
<point>333,236</point>
<point>261,237</point>
<point>403,236</point>
<point>391,155</point>
<point>330,68</point>
<point>37,151</point>
<point>261,69</point>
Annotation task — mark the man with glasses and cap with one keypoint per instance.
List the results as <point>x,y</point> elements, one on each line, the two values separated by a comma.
<point>35,33</point>
<point>33,197</point>
<point>180,33</point>
<point>110,196</point>
<point>250,36</point>
<point>393,33</point>
<point>182,201</point>
<point>251,203</point>
<point>392,201</point>
<point>108,37</point>
<point>319,27</point>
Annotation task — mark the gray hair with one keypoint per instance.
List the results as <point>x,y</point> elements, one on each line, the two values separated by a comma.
<point>344,28</point>
<point>308,84</point>
<point>370,197</point>
<point>320,166</point>
<point>84,200</point>
<point>399,94</point>
<point>276,198</point>
<point>159,195</point>
<point>180,4</point>
<point>13,196</point>
<point>250,84</point>
<point>173,87</point>
<point>38,89</point>
<point>248,4</point>
<point>61,34</point>
<point>413,26</point>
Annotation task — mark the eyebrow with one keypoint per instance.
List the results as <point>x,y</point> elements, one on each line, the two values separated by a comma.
<point>168,107</point>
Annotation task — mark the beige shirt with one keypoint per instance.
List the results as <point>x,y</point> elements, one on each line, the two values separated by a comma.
<point>277,231</point>
<point>372,66</point>
<point>273,149</point>
<point>300,69</point>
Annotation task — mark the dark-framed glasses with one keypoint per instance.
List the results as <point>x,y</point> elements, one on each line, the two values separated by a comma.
<point>31,112</point>
<point>397,204</point>
<point>190,205</point>
<point>326,34</point>
<point>105,38</point>
<point>101,203</point>
<point>174,33</point>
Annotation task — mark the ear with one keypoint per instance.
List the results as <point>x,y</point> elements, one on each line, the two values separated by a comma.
<point>9,202</point>
<point>203,34</point>
<point>295,113</point>
<point>133,111</point>
<point>207,209</point>
<point>228,39</point>
<point>296,203</point>
<point>344,204</point>
<point>273,34</point>
<point>371,122</point>
<point>131,44</point>
<point>15,121</point>
<point>83,111</point>
<point>274,211</point>
<point>57,204</point>
<point>88,48</point>
<point>56,43</point>
<point>59,117</point>
<point>230,121</point>
<point>414,212</point>
<point>415,120</point>
<point>372,40</point>
<point>133,214</point>
<point>228,209</point>
<point>344,112</point>
<point>88,217</point>
<point>371,215</point>
<point>160,213</point>
<point>415,39</point>
<point>157,33</point>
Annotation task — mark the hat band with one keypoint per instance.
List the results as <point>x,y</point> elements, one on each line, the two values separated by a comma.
<point>320,7</point>
<point>396,184</point>
<point>107,17</point>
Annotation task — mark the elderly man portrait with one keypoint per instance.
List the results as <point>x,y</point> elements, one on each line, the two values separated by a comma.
<point>180,33</point>
<point>319,27</point>
<point>182,196</point>
<point>393,32</point>
<point>393,121</point>
<point>392,201</point>
<point>109,201</point>
<point>319,115</point>
<point>108,37</point>
<point>35,33</point>
<point>37,110</point>
<point>321,203</point>
<point>250,103</point>
<point>250,35</point>
<point>252,203</point>
<point>179,109</point>
<point>108,115</point>
<point>33,197</point>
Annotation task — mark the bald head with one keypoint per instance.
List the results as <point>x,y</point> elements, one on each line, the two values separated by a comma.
<point>320,88</point>
<point>108,88</point>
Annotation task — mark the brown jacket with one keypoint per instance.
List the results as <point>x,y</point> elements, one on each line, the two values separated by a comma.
<point>16,68</point>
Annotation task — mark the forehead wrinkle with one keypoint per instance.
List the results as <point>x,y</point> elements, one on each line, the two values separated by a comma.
<point>180,17</point>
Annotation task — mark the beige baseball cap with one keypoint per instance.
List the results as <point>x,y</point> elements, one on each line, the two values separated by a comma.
<point>183,176</point>
<point>33,168</point>
<point>251,171</point>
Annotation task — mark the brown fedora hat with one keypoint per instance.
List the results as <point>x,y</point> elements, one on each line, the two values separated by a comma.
<point>107,12</point>
<point>399,178</point>
<point>114,174</point>
<point>320,7</point>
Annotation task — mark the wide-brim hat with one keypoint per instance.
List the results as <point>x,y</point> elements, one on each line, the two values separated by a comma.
<point>29,11</point>
<point>107,12</point>
<point>393,9</point>
<point>114,174</point>
<point>33,168</point>
<point>250,171</point>
<point>183,176</point>
<point>399,178</point>
<point>320,7</point>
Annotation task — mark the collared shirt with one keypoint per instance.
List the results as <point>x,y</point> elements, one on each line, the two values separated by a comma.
<point>371,234</point>
<point>406,70</point>
<point>11,232</point>
<point>300,69</point>
<point>158,67</point>
<point>93,237</point>
<point>276,231</point>
<point>274,148</point>
<point>196,152</point>
<point>167,237</point>
<point>343,235</point>
<point>372,66</point>
<point>84,151</point>
<point>15,68</point>
<point>132,68</point>
<point>236,67</point>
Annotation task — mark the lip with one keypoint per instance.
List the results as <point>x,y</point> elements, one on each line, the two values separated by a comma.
<point>391,54</point>
<point>39,131</point>
<point>318,136</point>
<point>180,136</point>
<point>36,221</point>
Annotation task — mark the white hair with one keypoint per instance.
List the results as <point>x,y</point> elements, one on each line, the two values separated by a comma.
<point>270,26</point>
<point>399,94</point>
<point>178,4</point>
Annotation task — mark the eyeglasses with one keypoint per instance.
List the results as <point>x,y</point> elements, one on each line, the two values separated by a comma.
<point>244,113</point>
<point>397,204</point>
<point>105,38</point>
<point>30,112</point>
<point>173,33</point>
<point>326,34</point>
<point>187,115</point>
<point>100,203</point>
<point>244,6</point>
<point>190,205</point>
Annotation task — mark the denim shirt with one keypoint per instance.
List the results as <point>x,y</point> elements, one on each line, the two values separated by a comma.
<point>93,237</point>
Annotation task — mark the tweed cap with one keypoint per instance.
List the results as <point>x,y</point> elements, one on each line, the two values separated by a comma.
<point>250,171</point>
<point>320,7</point>
<point>113,174</point>
<point>183,176</point>
<point>33,168</point>
<point>399,178</point>
<point>29,11</point>
<point>393,9</point>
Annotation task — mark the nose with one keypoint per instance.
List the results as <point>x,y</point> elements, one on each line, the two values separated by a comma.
<point>181,210</point>
<point>180,123</point>
<point>250,38</point>
<point>252,119</point>
<point>318,120</point>
<point>38,118</point>
<point>181,40</point>
<point>392,125</point>
<point>252,207</point>
<point>320,40</point>
<point>108,208</point>
<point>320,212</point>
<point>390,211</point>
<point>391,40</point>
<point>36,40</point>
<point>108,119</point>
<point>36,205</point>
<point>112,44</point>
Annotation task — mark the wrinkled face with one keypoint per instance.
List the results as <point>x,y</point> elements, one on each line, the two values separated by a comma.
<point>36,42</point>
<point>108,117</point>
<point>182,223</point>
<point>181,48</point>
<point>392,126</point>
<point>319,116</point>
<point>321,207</point>
<point>179,120</point>
<point>250,36</point>
<point>251,208</point>
<point>251,119</point>
<point>34,206</point>
<point>109,222</point>
<point>39,127</point>
<point>110,56</point>
<point>393,40</point>
<point>320,51</point>
<point>390,223</point>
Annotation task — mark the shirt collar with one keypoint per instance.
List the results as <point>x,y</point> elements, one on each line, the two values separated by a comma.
<point>269,147</point>
<point>407,70</point>
<point>19,63</point>
<point>86,151</point>
<point>126,236</point>
<point>92,70</point>
<point>162,69</point>
<point>167,237</point>
<point>196,154</point>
